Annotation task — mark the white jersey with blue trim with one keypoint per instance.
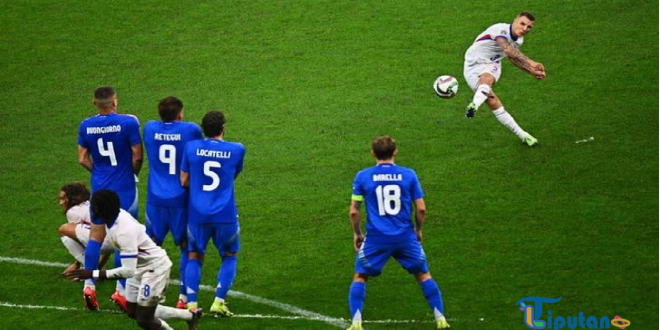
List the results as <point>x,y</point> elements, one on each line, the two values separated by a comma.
<point>129,237</point>
<point>486,50</point>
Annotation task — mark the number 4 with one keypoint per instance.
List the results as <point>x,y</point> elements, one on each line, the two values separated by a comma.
<point>110,152</point>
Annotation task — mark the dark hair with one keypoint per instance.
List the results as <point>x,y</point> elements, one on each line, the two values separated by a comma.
<point>383,147</point>
<point>76,193</point>
<point>169,108</point>
<point>103,96</point>
<point>105,205</point>
<point>213,123</point>
<point>528,15</point>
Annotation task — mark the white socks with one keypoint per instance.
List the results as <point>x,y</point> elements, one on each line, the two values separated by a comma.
<point>481,95</point>
<point>165,312</point>
<point>165,326</point>
<point>76,249</point>
<point>508,121</point>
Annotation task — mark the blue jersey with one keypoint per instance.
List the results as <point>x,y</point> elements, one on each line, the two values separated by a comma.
<point>109,139</point>
<point>388,191</point>
<point>213,165</point>
<point>165,142</point>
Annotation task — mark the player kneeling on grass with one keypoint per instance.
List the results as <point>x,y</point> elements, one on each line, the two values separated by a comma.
<point>144,264</point>
<point>74,201</point>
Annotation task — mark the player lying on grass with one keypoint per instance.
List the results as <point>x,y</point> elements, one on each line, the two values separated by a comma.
<point>144,264</point>
<point>482,68</point>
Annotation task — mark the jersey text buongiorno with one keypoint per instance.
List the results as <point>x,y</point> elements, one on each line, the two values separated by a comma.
<point>109,139</point>
<point>486,50</point>
<point>213,165</point>
<point>388,191</point>
<point>165,142</point>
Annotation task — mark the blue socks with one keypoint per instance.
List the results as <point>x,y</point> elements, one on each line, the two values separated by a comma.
<point>183,262</point>
<point>356,295</point>
<point>226,276</point>
<point>92,254</point>
<point>433,296</point>
<point>193,277</point>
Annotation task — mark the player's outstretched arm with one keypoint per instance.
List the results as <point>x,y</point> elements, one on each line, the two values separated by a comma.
<point>354,214</point>
<point>521,60</point>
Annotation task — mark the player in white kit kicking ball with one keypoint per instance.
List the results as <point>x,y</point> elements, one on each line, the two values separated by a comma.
<point>482,68</point>
<point>144,264</point>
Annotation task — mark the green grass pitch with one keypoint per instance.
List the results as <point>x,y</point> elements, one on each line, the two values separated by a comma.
<point>306,84</point>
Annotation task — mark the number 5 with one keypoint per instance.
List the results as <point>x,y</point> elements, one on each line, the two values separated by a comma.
<point>208,166</point>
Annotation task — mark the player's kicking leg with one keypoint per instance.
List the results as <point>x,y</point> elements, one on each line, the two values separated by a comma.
<point>482,85</point>
<point>507,120</point>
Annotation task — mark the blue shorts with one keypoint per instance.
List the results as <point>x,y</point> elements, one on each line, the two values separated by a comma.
<point>161,219</point>
<point>226,237</point>
<point>375,252</point>
<point>129,201</point>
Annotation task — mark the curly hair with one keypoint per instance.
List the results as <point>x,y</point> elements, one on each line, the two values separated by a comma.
<point>76,193</point>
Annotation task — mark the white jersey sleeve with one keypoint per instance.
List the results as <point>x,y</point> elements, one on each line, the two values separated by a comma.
<point>485,48</point>
<point>129,237</point>
<point>78,213</point>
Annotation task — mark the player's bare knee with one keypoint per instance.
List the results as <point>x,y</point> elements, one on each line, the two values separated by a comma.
<point>422,276</point>
<point>229,254</point>
<point>362,278</point>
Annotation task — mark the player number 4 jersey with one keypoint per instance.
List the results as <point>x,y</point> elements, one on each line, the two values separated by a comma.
<point>486,50</point>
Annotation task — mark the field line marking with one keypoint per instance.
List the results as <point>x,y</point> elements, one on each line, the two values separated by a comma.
<point>302,314</point>
<point>337,322</point>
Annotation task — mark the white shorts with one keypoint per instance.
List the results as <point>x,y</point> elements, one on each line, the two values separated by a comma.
<point>148,288</point>
<point>82,234</point>
<point>472,72</point>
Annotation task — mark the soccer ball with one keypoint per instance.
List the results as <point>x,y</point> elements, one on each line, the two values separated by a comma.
<point>446,86</point>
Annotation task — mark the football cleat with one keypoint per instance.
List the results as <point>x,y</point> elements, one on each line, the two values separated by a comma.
<point>219,309</point>
<point>355,326</point>
<point>89,298</point>
<point>530,141</point>
<point>180,304</point>
<point>119,300</point>
<point>442,324</point>
<point>197,314</point>
<point>470,110</point>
